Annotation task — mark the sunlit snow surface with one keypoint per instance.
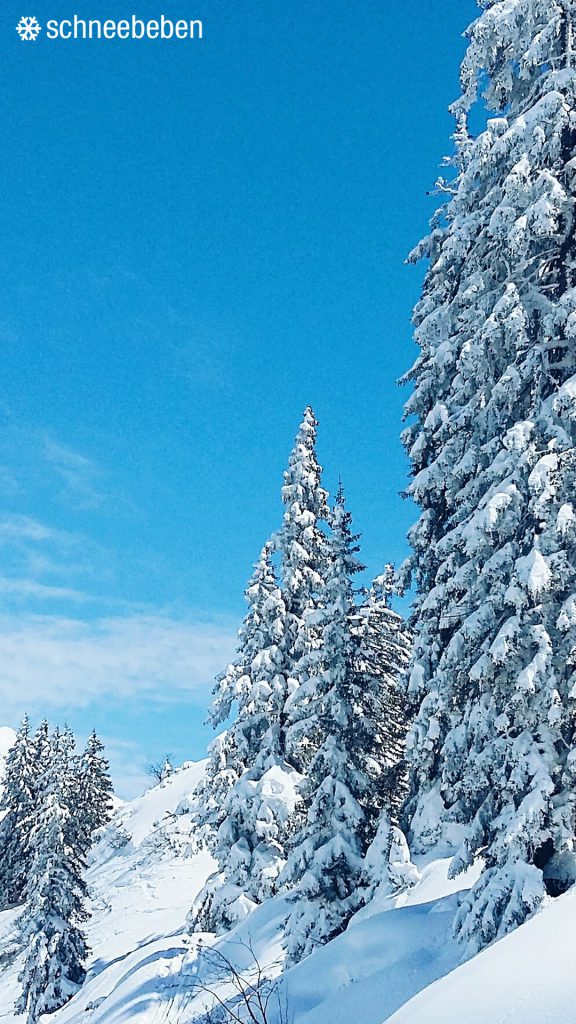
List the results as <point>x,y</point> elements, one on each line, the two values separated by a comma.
<point>7,737</point>
<point>145,873</point>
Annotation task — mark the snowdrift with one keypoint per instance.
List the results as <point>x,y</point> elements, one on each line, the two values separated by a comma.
<point>396,963</point>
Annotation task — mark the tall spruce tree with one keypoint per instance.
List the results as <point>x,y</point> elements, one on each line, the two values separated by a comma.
<point>50,933</point>
<point>94,789</point>
<point>304,560</point>
<point>325,861</point>
<point>251,788</point>
<point>493,455</point>
<point>18,801</point>
<point>343,708</point>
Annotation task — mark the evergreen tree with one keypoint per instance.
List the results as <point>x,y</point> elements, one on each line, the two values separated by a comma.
<point>302,545</point>
<point>42,747</point>
<point>325,861</point>
<point>18,799</point>
<point>55,947</point>
<point>384,654</point>
<point>243,797</point>
<point>387,868</point>
<point>493,454</point>
<point>251,789</point>
<point>343,705</point>
<point>94,788</point>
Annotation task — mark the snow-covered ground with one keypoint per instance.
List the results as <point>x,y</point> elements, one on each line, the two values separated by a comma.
<point>7,737</point>
<point>396,962</point>
<point>143,878</point>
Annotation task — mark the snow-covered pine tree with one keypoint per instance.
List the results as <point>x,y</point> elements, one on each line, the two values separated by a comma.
<point>388,868</point>
<point>251,788</point>
<point>18,798</point>
<point>42,746</point>
<point>342,707</point>
<point>384,656</point>
<point>302,545</point>
<point>50,934</point>
<point>94,790</point>
<point>325,861</point>
<point>249,792</point>
<point>493,455</point>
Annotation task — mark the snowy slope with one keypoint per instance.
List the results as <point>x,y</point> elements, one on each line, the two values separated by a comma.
<point>7,737</point>
<point>396,963</point>
<point>143,877</point>
<point>391,950</point>
<point>527,978</point>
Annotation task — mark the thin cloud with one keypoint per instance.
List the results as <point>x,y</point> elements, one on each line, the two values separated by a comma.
<point>33,461</point>
<point>29,588</point>
<point>80,475</point>
<point>26,528</point>
<point>45,562</point>
<point>51,663</point>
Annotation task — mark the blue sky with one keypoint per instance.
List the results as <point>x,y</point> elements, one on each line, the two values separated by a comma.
<point>199,238</point>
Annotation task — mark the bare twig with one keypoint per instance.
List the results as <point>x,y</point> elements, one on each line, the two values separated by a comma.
<point>255,990</point>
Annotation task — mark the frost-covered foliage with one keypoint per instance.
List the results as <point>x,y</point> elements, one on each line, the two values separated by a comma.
<point>55,947</point>
<point>314,749</point>
<point>384,655</point>
<point>388,867</point>
<point>19,782</point>
<point>54,801</point>
<point>250,792</point>
<point>492,450</point>
<point>302,544</point>
<point>94,790</point>
<point>341,708</point>
<point>325,860</point>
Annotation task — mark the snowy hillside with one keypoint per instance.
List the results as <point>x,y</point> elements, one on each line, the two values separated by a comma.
<point>397,961</point>
<point>142,880</point>
<point>7,737</point>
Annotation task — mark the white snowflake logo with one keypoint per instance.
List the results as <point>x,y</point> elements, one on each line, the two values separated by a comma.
<point>28,29</point>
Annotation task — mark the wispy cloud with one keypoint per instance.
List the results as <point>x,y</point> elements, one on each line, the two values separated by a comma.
<point>50,663</point>
<point>44,563</point>
<point>25,528</point>
<point>81,477</point>
<point>30,588</point>
<point>34,461</point>
<point>74,644</point>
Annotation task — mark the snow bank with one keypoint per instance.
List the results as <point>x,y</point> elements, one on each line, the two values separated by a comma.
<point>526,978</point>
<point>7,737</point>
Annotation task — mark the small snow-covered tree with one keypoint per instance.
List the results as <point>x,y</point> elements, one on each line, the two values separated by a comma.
<point>18,799</point>
<point>388,868</point>
<point>50,933</point>
<point>243,799</point>
<point>343,714</point>
<point>94,789</point>
<point>493,451</point>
